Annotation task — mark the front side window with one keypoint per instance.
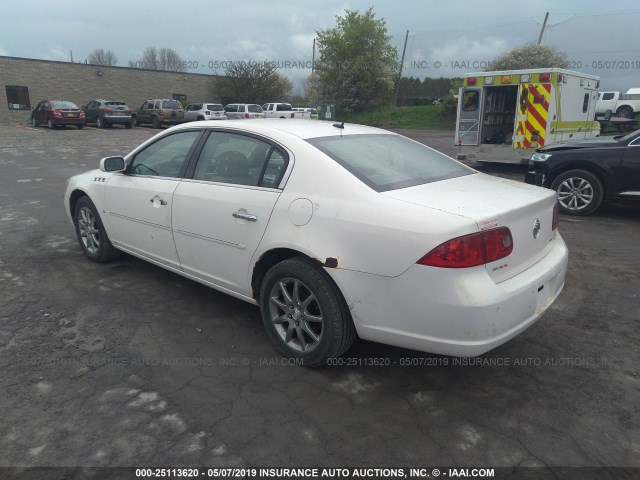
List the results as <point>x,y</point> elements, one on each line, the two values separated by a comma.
<point>18,97</point>
<point>389,162</point>
<point>240,160</point>
<point>607,96</point>
<point>165,157</point>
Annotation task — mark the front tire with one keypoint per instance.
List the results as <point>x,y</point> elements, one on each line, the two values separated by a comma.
<point>579,192</point>
<point>50,124</point>
<point>156,122</point>
<point>91,234</point>
<point>34,122</point>
<point>304,313</point>
<point>136,122</point>
<point>99,122</point>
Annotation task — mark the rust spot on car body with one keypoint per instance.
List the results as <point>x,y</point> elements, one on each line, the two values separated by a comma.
<point>330,262</point>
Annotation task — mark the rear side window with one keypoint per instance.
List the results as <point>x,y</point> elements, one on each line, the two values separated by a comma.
<point>171,104</point>
<point>255,108</point>
<point>283,107</point>
<point>389,162</point>
<point>240,160</point>
<point>585,103</point>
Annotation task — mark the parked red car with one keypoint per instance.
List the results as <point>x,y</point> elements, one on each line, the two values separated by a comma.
<point>57,112</point>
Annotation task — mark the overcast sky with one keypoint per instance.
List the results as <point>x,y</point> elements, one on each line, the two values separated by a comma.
<point>446,38</point>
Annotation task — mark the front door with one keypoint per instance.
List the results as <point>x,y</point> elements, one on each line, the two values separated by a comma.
<point>469,114</point>
<point>138,203</point>
<point>221,213</point>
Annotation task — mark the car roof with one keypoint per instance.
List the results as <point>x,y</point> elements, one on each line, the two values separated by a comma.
<point>300,128</point>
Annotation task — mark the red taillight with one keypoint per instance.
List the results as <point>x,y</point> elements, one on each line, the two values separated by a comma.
<point>471,81</point>
<point>556,216</point>
<point>293,115</point>
<point>81,114</point>
<point>56,112</point>
<point>161,112</point>
<point>471,250</point>
<point>246,115</point>
<point>106,110</point>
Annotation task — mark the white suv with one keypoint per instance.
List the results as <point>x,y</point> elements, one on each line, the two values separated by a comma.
<point>243,110</point>
<point>204,111</point>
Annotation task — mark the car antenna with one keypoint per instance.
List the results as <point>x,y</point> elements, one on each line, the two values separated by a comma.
<point>339,125</point>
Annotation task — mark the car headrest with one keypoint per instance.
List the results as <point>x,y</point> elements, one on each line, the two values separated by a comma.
<point>233,164</point>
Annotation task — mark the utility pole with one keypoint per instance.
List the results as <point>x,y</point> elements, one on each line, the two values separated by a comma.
<point>313,56</point>
<point>544,24</point>
<point>404,49</point>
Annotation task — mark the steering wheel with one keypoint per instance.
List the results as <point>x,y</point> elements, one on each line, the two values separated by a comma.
<point>142,169</point>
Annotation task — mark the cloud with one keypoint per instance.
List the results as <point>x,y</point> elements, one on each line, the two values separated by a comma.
<point>3,52</point>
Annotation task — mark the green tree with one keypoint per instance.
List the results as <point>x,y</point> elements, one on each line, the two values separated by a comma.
<point>529,55</point>
<point>256,82</point>
<point>357,65</point>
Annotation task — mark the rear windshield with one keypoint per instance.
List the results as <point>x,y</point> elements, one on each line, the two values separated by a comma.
<point>63,104</point>
<point>215,108</point>
<point>389,162</point>
<point>171,104</point>
<point>255,108</point>
<point>115,104</point>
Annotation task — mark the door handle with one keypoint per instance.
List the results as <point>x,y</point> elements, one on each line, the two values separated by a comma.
<point>245,216</point>
<point>158,200</point>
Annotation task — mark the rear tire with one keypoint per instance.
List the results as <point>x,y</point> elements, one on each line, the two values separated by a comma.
<point>99,122</point>
<point>80,127</point>
<point>579,192</point>
<point>128,125</point>
<point>625,112</point>
<point>304,314</point>
<point>91,233</point>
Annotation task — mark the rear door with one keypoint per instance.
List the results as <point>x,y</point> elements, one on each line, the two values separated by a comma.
<point>532,115</point>
<point>469,114</point>
<point>221,213</point>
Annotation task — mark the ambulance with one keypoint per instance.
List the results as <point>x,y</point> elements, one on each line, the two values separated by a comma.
<point>504,116</point>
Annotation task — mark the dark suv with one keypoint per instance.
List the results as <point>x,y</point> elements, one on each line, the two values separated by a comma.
<point>159,111</point>
<point>105,113</point>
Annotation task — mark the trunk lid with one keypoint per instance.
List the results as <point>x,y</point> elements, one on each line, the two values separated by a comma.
<point>494,202</point>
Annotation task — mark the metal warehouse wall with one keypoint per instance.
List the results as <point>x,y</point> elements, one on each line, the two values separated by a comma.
<point>80,83</point>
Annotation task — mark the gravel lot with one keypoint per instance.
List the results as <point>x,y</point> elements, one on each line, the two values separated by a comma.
<point>125,364</point>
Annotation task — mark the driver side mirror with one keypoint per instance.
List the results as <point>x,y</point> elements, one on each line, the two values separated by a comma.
<point>112,164</point>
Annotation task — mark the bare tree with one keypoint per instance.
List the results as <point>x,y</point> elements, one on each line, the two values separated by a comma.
<point>105,58</point>
<point>160,59</point>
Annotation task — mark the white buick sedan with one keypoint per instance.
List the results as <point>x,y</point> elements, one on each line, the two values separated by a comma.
<point>333,230</point>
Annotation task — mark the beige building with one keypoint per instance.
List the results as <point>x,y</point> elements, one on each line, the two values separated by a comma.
<point>25,82</point>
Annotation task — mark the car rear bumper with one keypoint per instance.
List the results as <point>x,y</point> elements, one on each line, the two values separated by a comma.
<point>119,119</point>
<point>458,312</point>
<point>68,121</point>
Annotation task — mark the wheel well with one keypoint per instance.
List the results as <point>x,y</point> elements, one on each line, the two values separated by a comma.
<point>200,117</point>
<point>266,261</point>
<point>73,199</point>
